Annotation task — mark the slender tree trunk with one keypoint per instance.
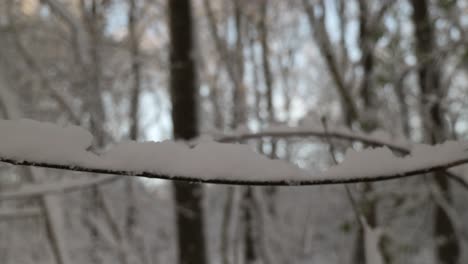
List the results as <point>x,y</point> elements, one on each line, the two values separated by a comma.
<point>317,23</point>
<point>136,70</point>
<point>270,191</point>
<point>92,98</point>
<point>239,93</point>
<point>369,206</point>
<point>403,105</point>
<point>131,221</point>
<point>234,63</point>
<point>227,225</point>
<point>447,245</point>
<point>251,252</point>
<point>184,93</point>
<point>54,224</point>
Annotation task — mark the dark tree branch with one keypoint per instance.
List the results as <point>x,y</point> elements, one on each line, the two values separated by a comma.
<point>285,182</point>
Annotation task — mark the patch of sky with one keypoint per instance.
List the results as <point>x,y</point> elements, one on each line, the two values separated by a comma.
<point>332,23</point>
<point>117,18</point>
<point>156,115</point>
<point>44,11</point>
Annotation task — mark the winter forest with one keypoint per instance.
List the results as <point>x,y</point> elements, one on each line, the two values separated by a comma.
<point>233,131</point>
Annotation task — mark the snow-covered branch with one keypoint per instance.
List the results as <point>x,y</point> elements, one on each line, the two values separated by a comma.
<point>320,179</point>
<point>376,139</point>
<point>31,143</point>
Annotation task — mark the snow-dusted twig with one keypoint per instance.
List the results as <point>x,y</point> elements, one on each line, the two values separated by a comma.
<point>282,182</point>
<point>6,214</point>
<point>311,132</point>
<point>29,190</point>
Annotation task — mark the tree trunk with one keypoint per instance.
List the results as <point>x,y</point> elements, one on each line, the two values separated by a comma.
<point>188,197</point>
<point>132,213</point>
<point>368,206</point>
<point>251,253</point>
<point>92,98</point>
<point>447,246</point>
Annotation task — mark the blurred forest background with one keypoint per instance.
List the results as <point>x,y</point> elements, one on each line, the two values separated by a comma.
<point>110,65</point>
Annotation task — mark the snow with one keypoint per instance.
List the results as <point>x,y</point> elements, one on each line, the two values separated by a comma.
<point>48,143</point>
<point>372,238</point>
<point>381,161</point>
<point>44,142</point>
<point>207,160</point>
<point>204,160</point>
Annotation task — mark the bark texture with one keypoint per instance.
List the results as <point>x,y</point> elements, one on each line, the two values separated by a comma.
<point>188,197</point>
<point>435,127</point>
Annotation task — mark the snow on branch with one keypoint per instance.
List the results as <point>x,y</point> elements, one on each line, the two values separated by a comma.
<point>376,139</point>
<point>31,143</point>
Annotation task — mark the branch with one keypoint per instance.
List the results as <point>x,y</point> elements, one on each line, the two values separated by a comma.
<point>27,142</point>
<point>27,191</point>
<point>331,133</point>
<point>282,182</point>
<point>316,132</point>
<point>6,214</point>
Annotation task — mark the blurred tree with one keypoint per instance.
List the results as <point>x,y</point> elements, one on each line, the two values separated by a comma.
<point>435,125</point>
<point>184,93</point>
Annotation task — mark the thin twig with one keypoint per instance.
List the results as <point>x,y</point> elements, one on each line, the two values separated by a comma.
<point>350,136</point>
<point>7,214</point>
<point>354,206</point>
<point>55,187</point>
<point>307,133</point>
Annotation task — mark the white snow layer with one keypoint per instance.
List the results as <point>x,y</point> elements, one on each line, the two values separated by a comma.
<point>37,142</point>
<point>372,238</point>
<point>381,161</point>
